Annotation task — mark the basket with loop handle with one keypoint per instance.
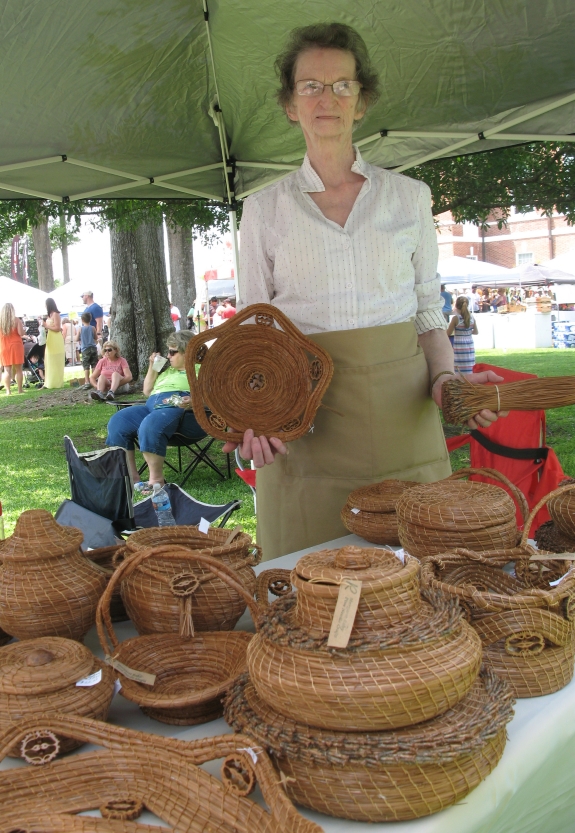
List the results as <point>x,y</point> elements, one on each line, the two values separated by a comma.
<point>381,776</point>
<point>264,375</point>
<point>136,779</point>
<point>178,679</point>
<point>147,593</point>
<point>526,625</point>
<point>435,517</point>
<point>370,511</point>
<point>106,558</point>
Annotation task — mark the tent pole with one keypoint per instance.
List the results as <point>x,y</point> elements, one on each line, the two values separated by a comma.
<point>235,250</point>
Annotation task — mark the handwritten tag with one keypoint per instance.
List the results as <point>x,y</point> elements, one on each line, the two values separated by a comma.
<point>356,511</point>
<point>93,679</point>
<point>203,526</point>
<point>345,610</point>
<point>233,534</point>
<point>553,556</point>
<point>131,673</point>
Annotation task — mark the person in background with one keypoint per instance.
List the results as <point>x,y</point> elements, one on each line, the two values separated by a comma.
<point>111,373</point>
<point>212,310</point>
<point>11,347</point>
<point>88,349</point>
<point>463,327</point>
<point>55,356</point>
<point>175,316</point>
<point>499,300</point>
<point>69,334</point>
<point>95,310</point>
<point>227,310</point>
<point>474,297</point>
<point>447,302</point>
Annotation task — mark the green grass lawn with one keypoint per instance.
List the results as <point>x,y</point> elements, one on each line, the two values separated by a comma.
<point>33,472</point>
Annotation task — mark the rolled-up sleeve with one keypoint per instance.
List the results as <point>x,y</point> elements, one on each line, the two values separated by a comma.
<point>256,268</point>
<point>429,314</point>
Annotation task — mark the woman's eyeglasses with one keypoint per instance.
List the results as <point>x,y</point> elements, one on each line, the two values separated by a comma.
<point>316,88</point>
<point>109,350</point>
<point>173,352</point>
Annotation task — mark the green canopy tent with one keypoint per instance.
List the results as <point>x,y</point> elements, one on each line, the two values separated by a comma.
<point>141,98</point>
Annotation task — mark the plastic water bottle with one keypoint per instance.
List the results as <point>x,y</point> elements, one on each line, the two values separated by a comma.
<point>162,505</point>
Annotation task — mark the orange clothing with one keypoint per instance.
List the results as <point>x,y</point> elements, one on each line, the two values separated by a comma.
<point>11,348</point>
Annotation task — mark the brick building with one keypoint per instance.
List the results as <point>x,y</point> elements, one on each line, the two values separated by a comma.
<point>527,238</point>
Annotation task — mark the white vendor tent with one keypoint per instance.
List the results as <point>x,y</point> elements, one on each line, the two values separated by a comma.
<point>565,262</point>
<point>463,270</point>
<point>68,296</point>
<point>27,300</point>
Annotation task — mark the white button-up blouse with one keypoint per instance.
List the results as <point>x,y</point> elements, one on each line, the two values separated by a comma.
<point>380,268</point>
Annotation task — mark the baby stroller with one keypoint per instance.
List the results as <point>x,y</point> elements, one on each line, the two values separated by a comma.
<point>33,364</point>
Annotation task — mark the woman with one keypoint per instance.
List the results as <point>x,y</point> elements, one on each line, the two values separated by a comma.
<point>111,372</point>
<point>54,357</point>
<point>11,347</point>
<point>463,327</point>
<point>349,252</point>
<point>69,332</point>
<point>154,423</point>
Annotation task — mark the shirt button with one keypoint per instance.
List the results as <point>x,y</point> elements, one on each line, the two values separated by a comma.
<point>346,244</point>
<point>351,321</point>
<point>349,286</point>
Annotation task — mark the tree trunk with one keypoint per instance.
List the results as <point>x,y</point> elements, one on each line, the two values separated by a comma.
<point>183,281</point>
<point>64,247</point>
<point>140,316</point>
<point>43,250</point>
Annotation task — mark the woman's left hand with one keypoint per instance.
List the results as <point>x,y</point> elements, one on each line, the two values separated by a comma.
<point>484,418</point>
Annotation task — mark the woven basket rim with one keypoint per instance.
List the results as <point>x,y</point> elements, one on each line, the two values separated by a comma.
<point>379,498</point>
<point>319,566</point>
<point>37,528</point>
<point>444,504</point>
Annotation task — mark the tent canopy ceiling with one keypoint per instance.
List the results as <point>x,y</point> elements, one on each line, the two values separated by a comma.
<point>125,92</point>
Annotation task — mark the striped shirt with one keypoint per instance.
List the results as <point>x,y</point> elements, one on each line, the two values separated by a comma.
<point>380,268</point>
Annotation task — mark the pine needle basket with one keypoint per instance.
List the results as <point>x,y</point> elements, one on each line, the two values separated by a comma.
<point>387,677</point>
<point>562,509</point>
<point>376,520</point>
<point>191,671</point>
<point>47,586</point>
<point>550,538</point>
<point>461,400</point>
<point>147,593</point>
<point>435,517</point>
<point>106,558</point>
<point>265,375</point>
<point>133,772</point>
<point>381,776</point>
<point>40,675</point>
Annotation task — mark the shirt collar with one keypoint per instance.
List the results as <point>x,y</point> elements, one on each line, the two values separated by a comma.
<point>308,180</point>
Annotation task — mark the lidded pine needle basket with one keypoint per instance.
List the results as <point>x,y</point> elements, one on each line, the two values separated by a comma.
<point>178,679</point>
<point>381,776</point>
<point>130,773</point>
<point>42,675</point>
<point>47,586</point>
<point>389,675</point>
<point>370,511</point>
<point>264,375</point>
<point>148,593</point>
<point>435,517</point>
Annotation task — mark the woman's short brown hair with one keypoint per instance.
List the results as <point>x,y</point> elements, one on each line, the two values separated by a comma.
<point>326,36</point>
<point>179,341</point>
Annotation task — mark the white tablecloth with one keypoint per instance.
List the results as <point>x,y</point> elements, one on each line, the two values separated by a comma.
<point>532,790</point>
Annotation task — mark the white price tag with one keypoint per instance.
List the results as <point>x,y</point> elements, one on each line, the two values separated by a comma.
<point>251,752</point>
<point>356,511</point>
<point>345,610</point>
<point>203,526</point>
<point>93,679</point>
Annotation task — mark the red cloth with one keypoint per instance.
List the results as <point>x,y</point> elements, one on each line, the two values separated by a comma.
<point>227,312</point>
<point>521,429</point>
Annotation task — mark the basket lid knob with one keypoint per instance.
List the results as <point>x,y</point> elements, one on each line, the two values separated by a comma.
<point>40,656</point>
<point>352,558</point>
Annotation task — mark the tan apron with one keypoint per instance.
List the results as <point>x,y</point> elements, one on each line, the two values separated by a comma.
<point>389,428</point>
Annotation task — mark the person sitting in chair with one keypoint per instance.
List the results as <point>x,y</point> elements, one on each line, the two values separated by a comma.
<point>155,422</point>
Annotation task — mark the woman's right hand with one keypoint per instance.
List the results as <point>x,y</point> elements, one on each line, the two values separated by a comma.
<point>258,449</point>
<point>152,358</point>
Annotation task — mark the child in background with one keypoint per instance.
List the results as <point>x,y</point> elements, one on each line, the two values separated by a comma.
<point>463,327</point>
<point>88,349</point>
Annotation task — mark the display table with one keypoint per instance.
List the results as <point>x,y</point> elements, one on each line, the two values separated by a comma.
<point>532,790</point>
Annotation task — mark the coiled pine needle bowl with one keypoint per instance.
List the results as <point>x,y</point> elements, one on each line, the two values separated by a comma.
<point>370,511</point>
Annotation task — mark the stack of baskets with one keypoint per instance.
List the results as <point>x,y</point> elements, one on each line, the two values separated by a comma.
<point>335,719</point>
<point>435,517</point>
<point>370,511</point>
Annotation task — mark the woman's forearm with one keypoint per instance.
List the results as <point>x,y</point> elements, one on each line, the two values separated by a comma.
<point>150,381</point>
<point>439,356</point>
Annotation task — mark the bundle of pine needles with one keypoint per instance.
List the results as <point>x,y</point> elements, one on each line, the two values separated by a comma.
<point>461,399</point>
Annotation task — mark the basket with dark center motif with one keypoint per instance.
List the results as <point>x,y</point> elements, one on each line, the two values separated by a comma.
<point>264,375</point>
<point>381,776</point>
<point>562,509</point>
<point>370,511</point>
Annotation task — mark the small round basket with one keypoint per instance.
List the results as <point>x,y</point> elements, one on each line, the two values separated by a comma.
<point>147,592</point>
<point>42,675</point>
<point>176,679</point>
<point>265,375</point>
<point>381,776</point>
<point>435,517</point>
<point>562,509</point>
<point>370,511</point>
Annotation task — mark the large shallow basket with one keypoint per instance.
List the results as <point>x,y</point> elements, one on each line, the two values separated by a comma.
<point>381,776</point>
<point>132,772</point>
<point>40,675</point>
<point>147,593</point>
<point>435,517</point>
<point>47,586</point>
<point>191,672</point>
<point>370,511</point>
<point>265,375</point>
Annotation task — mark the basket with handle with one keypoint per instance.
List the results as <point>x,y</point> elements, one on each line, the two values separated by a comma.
<point>435,517</point>
<point>370,511</point>
<point>527,627</point>
<point>134,773</point>
<point>105,558</point>
<point>147,594</point>
<point>562,510</point>
<point>381,776</point>
<point>185,675</point>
